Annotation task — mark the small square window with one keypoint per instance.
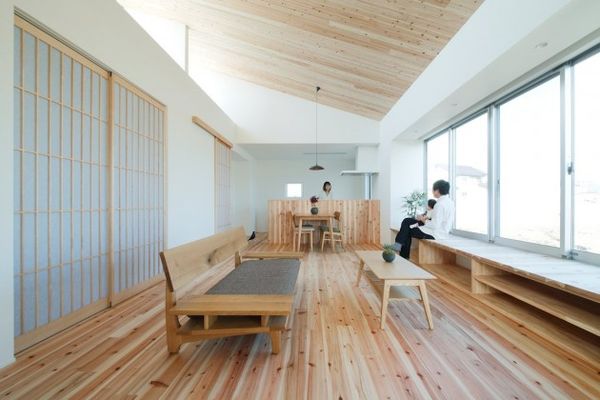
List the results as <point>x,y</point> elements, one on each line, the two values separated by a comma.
<point>294,190</point>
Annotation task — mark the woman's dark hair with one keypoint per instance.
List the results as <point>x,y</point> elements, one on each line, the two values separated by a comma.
<point>441,186</point>
<point>325,184</point>
<point>431,203</point>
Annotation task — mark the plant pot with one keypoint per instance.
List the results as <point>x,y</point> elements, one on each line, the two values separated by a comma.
<point>388,256</point>
<point>314,210</point>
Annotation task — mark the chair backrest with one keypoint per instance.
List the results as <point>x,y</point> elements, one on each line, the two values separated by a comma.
<point>182,264</point>
<point>338,217</point>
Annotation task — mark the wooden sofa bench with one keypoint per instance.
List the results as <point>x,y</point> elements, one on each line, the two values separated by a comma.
<point>256,297</point>
<point>557,299</point>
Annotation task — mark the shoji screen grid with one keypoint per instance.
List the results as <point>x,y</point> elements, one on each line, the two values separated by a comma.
<point>222,186</point>
<point>67,227</point>
<point>61,175</point>
<point>138,186</point>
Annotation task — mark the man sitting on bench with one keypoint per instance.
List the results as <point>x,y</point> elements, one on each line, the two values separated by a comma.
<point>436,227</point>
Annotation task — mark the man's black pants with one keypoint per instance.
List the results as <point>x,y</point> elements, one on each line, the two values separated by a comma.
<point>404,237</point>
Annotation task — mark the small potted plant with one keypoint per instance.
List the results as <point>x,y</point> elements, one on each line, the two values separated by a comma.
<point>389,253</point>
<point>314,210</point>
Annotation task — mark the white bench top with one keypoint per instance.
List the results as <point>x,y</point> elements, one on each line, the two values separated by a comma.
<point>572,276</point>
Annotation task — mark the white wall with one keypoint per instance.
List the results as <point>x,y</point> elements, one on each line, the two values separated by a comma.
<point>170,35</point>
<point>243,194</point>
<point>382,187</point>
<point>401,172</point>
<point>106,32</point>
<point>273,175</point>
<point>406,163</point>
<point>6,183</point>
<point>268,116</point>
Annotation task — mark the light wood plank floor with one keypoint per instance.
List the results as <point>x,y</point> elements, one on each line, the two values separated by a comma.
<point>334,350</point>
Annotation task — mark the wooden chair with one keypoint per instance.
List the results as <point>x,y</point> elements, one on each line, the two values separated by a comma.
<point>338,235</point>
<point>307,230</point>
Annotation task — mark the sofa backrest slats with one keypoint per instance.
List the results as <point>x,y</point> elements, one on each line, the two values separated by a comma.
<point>184,263</point>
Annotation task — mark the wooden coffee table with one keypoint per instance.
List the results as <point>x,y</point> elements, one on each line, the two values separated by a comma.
<point>393,280</point>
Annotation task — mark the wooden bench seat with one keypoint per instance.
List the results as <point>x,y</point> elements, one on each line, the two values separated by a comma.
<point>256,297</point>
<point>557,299</point>
<point>572,276</point>
<point>214,304</point>
<point>568,275</point>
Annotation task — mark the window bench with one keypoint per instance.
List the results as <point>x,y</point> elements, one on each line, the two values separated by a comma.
<point>557,299</point>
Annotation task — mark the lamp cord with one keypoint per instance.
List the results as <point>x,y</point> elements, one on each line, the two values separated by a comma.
<point>317,125</point>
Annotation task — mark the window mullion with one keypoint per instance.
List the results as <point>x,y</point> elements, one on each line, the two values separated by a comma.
<point>492,172</point>
<point>452,167</point>
<point>566,160</point>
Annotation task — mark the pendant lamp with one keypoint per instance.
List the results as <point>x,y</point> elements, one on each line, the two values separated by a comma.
<point>316,167</point>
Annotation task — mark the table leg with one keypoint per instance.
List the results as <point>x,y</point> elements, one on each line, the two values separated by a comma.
<point>385,296</point>
<point>361,266</point>
<point>300,223</point>
<point>425,299</point>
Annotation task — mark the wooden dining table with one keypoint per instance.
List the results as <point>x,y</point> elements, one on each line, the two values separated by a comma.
<point>310,217</point>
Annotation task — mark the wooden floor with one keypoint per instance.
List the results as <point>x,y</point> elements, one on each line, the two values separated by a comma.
<point>334,350</point>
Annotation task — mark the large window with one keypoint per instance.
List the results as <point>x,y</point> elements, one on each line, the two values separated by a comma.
<point>437,159</point>
<point>541,188</point>
<point>587,144</point>
<point>472,175</point>
<point>530,165</point>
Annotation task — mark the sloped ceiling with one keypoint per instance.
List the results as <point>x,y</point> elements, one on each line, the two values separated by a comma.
<point>363,53</point>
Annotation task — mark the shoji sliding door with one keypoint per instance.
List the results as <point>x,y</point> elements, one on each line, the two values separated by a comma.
<point>222,186</point>
<point>61,186</point>
<point>138,189</point>
<point>88,187</point>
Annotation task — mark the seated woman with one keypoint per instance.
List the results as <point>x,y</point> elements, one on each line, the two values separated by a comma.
<point>327,195</point>
<point>435,227</point>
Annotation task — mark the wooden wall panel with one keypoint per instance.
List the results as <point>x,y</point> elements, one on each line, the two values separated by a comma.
<point>360,219</point>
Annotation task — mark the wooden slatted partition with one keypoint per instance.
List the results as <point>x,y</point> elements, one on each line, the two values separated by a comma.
<point>361,219</point>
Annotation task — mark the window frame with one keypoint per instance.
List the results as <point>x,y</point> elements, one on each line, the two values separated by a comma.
<point>574,253</point>
<point>566,249</point>
<point>443,132</point>
<point>522,244</point>
<point>471,117</point>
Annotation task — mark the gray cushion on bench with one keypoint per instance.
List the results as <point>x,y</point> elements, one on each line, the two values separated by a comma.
<point>273,276</point>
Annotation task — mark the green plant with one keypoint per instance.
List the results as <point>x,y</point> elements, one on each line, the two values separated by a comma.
<point>413,202</point>
<point>389,248</point>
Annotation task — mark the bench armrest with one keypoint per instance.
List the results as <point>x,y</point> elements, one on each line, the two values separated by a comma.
<point>261,255</point>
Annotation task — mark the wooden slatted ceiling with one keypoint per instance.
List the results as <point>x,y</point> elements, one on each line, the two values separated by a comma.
<point>363,53</point>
